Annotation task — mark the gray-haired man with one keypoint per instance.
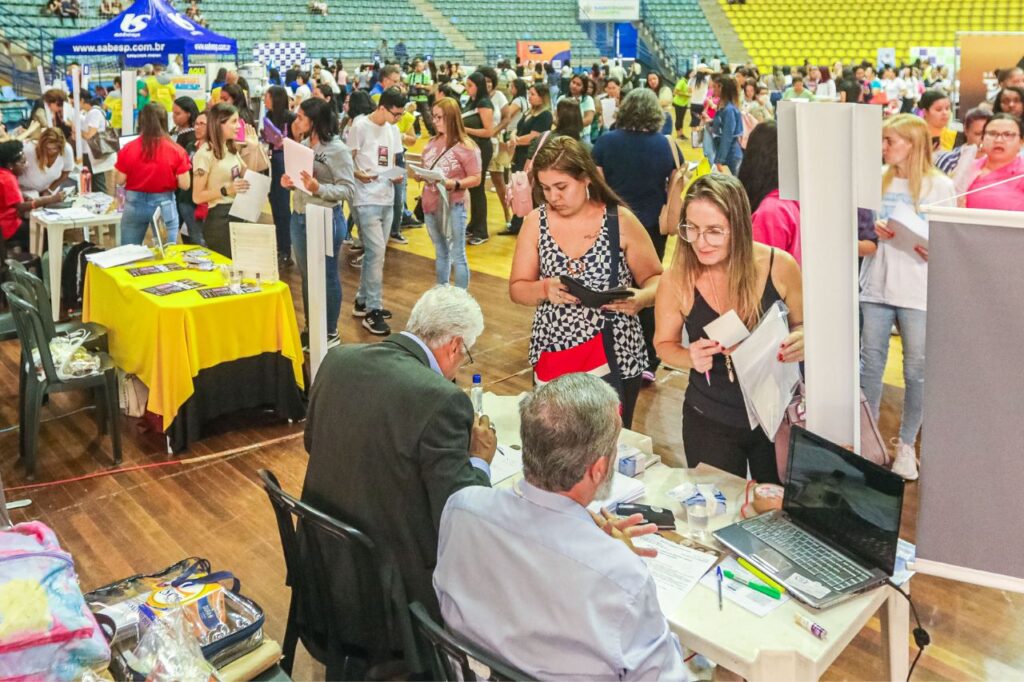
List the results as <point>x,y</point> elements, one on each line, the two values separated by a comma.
<point>528,575</point>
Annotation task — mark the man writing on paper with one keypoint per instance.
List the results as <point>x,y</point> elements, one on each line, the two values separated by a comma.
<point>389,472</point>
<point>600,618</point>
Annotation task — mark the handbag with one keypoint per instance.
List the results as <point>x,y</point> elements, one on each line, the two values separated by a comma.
<point>697,138</point>
<point>596,355</point>
<point>104,143</point>
<point>417,210</point>
<point>519,195</point>
<point>671,212</point>
<point>134,394</point>
<point>872,446</point>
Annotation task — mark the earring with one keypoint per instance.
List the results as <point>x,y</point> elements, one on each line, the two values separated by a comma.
<point>587,188</point>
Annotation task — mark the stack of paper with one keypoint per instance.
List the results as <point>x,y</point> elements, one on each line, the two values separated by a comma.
<point>676,569</point>
<point>507,462</point>
<point>122,255</point>
<point>767,383</point>
<point>910,229</point>
<point>624,489</point>
<point>71,213</point>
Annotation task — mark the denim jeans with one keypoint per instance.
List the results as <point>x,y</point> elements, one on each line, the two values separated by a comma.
<point>139,208</point>
<point>874,351</point>
<point>374,228</point>
<point>452,251</point>
<point>280,204</point>
<point>187,213</point>
<point>400,209</point>
<point>332,276</point>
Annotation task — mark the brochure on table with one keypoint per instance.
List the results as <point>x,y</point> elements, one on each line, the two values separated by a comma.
<point>254,250</point>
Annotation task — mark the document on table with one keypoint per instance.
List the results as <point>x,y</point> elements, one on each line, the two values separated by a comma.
<point>507,462</point>
<point>910,229</point>
<point>676,569</point>
<point>121,255</point>
<point>427,174</point>
<point>249,204</point>
<point>503,411</point>
<point>755,602</point>
<point>70,213</point>
<point>767,383</point>
<point>727,330</point>
<point>297,158</point>
<point>254,250</point>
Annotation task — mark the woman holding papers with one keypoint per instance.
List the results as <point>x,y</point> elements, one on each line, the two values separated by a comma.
<point>582,230</point>
<point>151,167</point>
<point>218,169</point>
<point>331,183</point>
<point>1001,144</point>
<point>453,154</point>
<point>275,129</point>
<point>718,268</point>
<point>894,280</point>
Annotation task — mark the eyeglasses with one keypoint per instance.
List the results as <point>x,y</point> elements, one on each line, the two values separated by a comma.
<point>1006,135</point>
<point>714,236</point>
<point>469,356</point>
<point>396,114</point>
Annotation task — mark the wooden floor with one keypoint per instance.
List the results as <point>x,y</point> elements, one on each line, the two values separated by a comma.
<point>207,503</point>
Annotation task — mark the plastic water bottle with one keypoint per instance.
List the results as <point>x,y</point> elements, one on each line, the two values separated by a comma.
<point>84,181</point>
<point>476,394</point>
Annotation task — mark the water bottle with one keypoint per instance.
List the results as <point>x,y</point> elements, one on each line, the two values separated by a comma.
<point>476,394</point>
<point>84,182</point>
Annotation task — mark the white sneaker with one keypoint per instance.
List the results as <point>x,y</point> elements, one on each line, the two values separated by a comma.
<point>905,463</point>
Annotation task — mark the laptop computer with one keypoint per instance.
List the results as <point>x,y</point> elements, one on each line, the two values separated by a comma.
<point>159,230</point>
<point>837,533</point>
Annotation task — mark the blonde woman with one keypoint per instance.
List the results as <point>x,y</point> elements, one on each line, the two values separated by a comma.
<point>453,153</point>
<point>718,267</point>
<point>893,282</point>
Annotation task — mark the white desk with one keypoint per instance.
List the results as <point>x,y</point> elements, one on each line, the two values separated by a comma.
<point>768,648</point>
<point>55,231</point>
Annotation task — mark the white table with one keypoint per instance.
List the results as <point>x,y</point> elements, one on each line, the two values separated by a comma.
<point>768,648</point>
<point>55,231</point>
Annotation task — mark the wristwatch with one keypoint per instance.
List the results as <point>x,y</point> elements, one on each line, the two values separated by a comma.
<point>224,190</point>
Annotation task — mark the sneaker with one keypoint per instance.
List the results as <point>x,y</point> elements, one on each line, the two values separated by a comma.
<point>333,340</point>
<point>359,310</point>
<point>411,221</point>
<point>477,241</point>
<point>375,324</point>
<point>357,262</point>
<point>399,239</point>
<point>508,231</point>
<point>356,246</point>
<point>905,463</point>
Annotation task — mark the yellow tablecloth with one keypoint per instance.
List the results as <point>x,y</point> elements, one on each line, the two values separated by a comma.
<point>167,340</point>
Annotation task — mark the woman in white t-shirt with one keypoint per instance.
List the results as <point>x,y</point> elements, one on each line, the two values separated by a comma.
<point>578,88</point>
<point>93,123</point>
<point>48,162</point>
<point>893,281</point>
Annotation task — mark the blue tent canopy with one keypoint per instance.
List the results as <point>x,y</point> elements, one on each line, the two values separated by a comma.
<point>147,32</point>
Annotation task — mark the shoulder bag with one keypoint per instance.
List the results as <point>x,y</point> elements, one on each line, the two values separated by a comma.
<point>519,195</point>
<point>671,212</point>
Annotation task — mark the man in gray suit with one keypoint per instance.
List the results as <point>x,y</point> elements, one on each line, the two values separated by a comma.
<point>390,436</point>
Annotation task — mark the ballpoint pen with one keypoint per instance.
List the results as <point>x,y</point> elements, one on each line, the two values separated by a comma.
<point>757,587</point>
<point>718,574</point>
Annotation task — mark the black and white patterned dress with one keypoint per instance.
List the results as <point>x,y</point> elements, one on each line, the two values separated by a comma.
<point>558,327</point>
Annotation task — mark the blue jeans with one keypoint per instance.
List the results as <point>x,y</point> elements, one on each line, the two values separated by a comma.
<point>450,252</point>
<point>332,277</point>
<point>374,228</point>
<point>400,209</point>
<point>187,212</point>
<point>280,204</point>
<point>874,350</point>
<point>139,208</point>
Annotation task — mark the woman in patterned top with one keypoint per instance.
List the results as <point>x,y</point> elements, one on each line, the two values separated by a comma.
<point>583,230</point>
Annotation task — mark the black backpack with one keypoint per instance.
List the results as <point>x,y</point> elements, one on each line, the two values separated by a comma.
<point>72,273</point>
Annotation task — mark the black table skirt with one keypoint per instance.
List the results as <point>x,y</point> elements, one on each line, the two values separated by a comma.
<point>266,380</point>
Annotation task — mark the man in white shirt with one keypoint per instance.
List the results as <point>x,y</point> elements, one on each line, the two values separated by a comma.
<point>555,596</point>
<point>375,141</point>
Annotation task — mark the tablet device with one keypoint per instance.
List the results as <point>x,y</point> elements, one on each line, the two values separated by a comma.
<point>591,298</point>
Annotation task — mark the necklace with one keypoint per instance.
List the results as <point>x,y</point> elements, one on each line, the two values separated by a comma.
<point>718,306</point>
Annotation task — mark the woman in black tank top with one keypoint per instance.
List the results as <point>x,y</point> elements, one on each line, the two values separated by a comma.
<point>717,268</point>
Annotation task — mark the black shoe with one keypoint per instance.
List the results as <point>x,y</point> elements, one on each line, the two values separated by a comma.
<point>411,221</point>
<point>359,310</point>
<point>398,239</point>
<point>304,338</point>
<point>509,232</point>
<point>375,324</point>
<point>333,340</point>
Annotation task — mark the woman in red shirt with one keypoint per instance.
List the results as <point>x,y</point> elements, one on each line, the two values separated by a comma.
<point>151,167</point>
<point>13,208</point>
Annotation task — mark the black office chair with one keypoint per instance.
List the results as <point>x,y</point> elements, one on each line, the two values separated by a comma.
<point>40,298</point>
<point>446,651</point>
<point>330,562</point>
<point>35,343</point>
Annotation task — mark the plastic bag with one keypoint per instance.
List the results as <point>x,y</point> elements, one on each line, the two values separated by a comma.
<point>168,651</point>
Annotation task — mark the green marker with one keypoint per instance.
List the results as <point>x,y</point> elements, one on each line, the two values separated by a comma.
<point>757,587</point>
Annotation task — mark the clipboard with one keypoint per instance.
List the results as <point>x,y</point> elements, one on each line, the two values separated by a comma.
<point>591,298</point>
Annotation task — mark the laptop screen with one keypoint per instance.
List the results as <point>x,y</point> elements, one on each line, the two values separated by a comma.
<point>852,502</point>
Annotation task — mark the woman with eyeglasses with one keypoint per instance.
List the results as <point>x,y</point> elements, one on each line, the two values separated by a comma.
<point>1001,144</point>
<point>452,153</point>
<point>583,230</point>
<point>718,267</point>
<point>894,282</point>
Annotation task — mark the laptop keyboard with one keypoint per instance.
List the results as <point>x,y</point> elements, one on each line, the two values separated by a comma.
<point>825,564</point>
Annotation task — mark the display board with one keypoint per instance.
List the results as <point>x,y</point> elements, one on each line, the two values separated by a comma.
<point>609,10</point>
<point>981,54</point>
<point>544,51</point>
<point>281,55</point>
<point>972,468</point>
<point>936,56</point>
